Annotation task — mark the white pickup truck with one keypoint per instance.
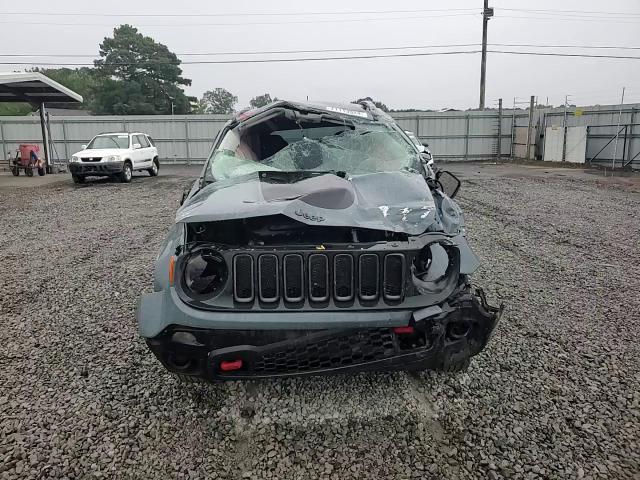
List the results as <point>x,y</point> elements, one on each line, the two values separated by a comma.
<point>116,155</point>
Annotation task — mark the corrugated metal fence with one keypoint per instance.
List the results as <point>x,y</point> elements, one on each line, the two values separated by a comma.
<point>469,135</point>
<point>188,138</point>
<point>603,123</point>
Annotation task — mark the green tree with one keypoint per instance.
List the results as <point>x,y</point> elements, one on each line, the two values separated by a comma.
<point>81,80</point>
<point>15,108</point>
<point>217,100</point>
<point>262,100</point>
<point>138,75</point>
<point>380,105</point>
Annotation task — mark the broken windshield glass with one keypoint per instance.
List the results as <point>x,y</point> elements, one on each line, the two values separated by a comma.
<point>280,145</point>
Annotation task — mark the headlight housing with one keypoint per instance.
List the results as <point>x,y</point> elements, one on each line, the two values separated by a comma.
<point>112,158</point>
<point>75,159</point>
<point>205,273</point>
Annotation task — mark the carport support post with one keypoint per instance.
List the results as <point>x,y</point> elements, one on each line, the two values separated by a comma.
<point>45,136</point>
<point>5,154</point>
<point>531,103</point>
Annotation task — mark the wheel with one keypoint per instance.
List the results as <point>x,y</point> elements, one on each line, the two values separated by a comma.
<point>15,170</point>
<point>127,172</point>
<point>28,171</point>
<point>41,171</point>
<point>77,179</point>
<point>153,171</point>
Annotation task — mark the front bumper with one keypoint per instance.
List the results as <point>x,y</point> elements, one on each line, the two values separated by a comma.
<point>440,337</point>
<point>95,169</point>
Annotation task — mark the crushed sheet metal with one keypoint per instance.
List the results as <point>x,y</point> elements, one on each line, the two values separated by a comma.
<point>392,201</point>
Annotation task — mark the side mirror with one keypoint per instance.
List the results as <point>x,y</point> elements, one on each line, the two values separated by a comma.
<point>136,146</point>
<point>448,182</point>
<point>83,147</point>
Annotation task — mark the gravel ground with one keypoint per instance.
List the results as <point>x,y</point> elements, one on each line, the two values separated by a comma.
<point>555,395</point>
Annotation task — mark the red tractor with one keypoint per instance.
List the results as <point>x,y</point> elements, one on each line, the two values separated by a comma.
<point>27,159</point>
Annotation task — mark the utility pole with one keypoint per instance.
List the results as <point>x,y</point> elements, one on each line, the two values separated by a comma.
<point>487,13</point>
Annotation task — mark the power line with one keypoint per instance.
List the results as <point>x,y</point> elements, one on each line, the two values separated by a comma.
<point>269,52</point>
<point>275,14</point>
<point>262,60</point>
<point>557,54</point>
<point>227,24</point>
<point>572,19</point>
<point>240,14</point>
<point>326,50</point>
<point>600,12</point>
<point>319,59</point>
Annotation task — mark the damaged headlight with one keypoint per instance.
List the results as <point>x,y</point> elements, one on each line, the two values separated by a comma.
<point>431,263</point>
<point>436,268</point>
<point>205,273</point>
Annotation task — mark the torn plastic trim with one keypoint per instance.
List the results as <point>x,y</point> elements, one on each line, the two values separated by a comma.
<point>445,339</point>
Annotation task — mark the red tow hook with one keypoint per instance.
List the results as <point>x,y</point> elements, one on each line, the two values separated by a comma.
<point>403,330</point>
<point>230,365</point>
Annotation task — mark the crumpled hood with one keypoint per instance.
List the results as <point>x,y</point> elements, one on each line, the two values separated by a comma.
<point>393,201</point>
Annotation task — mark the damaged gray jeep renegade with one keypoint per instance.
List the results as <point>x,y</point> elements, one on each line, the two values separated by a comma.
<point>316,240</point>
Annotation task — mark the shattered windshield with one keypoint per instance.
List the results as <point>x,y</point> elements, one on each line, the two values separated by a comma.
<point>281,144</point>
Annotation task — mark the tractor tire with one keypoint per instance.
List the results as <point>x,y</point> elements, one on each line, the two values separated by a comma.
<point>127,173</point>
<point>41,171</point>
<point>15,171</point>
<point>153,171</point>
<point>77,179</point>
<point>28,172</point>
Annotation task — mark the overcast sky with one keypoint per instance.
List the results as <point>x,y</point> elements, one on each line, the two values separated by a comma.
<point>418,82</point>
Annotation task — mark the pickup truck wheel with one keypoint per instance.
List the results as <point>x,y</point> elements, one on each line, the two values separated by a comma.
<point>153,171</point>
<point>77,179</point>
<point>29,171</point>
<point>127,172</point>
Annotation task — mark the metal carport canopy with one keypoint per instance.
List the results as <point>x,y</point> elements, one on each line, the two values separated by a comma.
<point>36,89</point>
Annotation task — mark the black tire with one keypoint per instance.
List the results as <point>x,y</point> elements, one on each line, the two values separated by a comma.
<point>153,171</point>
<point>77,179</point>
<point>41,171</point>
<point>15,171</point>
<point>28,172</point>
<point>127,173</point>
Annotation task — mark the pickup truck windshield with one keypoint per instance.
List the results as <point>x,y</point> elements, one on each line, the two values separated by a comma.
<point>355,148</point>
<point>109,141</point>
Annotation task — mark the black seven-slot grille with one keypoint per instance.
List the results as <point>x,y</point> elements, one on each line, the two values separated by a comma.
<point>317,277</point>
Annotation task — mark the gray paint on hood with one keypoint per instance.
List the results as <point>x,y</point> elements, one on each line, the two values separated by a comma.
<point>392,201</point>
